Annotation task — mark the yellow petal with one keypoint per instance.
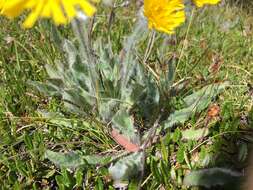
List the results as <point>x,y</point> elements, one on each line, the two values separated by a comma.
<point>201,3</point>
<point>69,9</point>
<point>61,11</point>
<point>87,8</point>
<point>34,15</point>
<point>57,13</point>
<point>164,15</point>
<point>13,8</point>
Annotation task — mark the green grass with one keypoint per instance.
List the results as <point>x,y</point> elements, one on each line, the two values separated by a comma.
<point>221,35</point>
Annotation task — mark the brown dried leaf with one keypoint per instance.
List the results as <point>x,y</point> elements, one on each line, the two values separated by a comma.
<point>124,142</point>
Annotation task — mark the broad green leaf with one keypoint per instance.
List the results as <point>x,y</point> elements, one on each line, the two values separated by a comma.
<point>60,182</point>
<point>179,116</point>
<point>75,160</point>
<point>52,72</point>
<point>194,134</point>
<point>133,94</point>
<point>71,51</point>
<point>171,70</point>
<point>181,153</point>
<point>79,177</point>
<point>55,33</point>
<point>107,109</point>
<point>133,185</point>
<point>126,168</point>
<point>155,170</point>
<point>46,89</point>
<point>243,152</point>
<point>203,97</point>
<point>66,179</point>
<point>28,141</point>
<point>70,160</point>
<point>164,151</point>
<point>211,177</point>
<point>124,123</point>
<point>129,60</point>
<point>97,160</point>
<point>149,101</point>
<point>79,98</point>
<point>99,185</point>
<point>196,103</point>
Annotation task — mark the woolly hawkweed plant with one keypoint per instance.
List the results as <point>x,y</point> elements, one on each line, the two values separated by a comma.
<point>116,88</point>
<point>119,90</point>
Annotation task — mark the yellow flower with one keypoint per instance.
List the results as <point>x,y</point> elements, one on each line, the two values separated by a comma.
<point>61,11</point>
<point>201,3</point>
<point>164,15</point>
<point>1,4</point>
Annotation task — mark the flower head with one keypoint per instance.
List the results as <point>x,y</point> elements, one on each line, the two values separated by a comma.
<point>1,4</point>
<point>164,15</point>
<point>61,11</point>
<point>201,3</point>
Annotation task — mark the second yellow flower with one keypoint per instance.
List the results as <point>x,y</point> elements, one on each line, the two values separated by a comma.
<point>164,15</point>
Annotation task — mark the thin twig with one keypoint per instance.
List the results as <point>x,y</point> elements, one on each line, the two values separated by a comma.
<point>151,134</point>
<point>186,36</point>
<point>150,137</point>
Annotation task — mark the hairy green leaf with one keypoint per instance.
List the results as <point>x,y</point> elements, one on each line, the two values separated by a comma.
<point>211,177</point>
<point>194,134</point>
<point>196,103</point>
<point>125,124</point>
<point>126,168</point>
<point>70,160</point>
